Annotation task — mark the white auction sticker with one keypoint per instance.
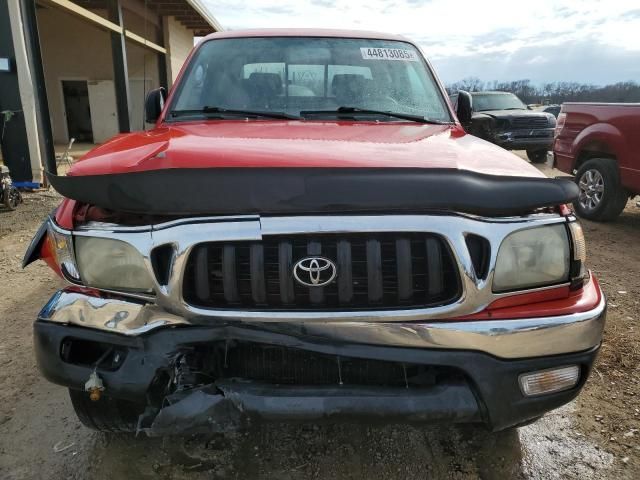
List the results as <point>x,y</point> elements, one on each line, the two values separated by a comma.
<point>371,53</point>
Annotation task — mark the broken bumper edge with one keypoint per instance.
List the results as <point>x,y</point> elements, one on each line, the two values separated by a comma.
<point>227,404</point>
<point>527,140</point>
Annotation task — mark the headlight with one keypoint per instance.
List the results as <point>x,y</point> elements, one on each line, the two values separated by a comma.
<point>112,265</point>
<point>62,249</point>
<point>533,258</point>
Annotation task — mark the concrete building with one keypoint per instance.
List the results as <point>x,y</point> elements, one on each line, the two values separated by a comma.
<point>81,69</point>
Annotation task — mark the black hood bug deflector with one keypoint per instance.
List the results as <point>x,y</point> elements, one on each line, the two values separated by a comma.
<point>224,191</point>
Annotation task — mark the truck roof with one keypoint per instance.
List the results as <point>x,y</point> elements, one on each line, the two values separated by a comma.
<point>306,32</point>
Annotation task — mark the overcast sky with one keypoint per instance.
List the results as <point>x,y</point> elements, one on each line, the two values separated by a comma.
<point>589,41</point>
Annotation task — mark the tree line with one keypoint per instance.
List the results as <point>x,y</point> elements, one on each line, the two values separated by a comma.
<point>554,92</point>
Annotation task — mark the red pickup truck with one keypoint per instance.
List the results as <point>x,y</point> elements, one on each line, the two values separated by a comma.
<point>309,233</point>
<point>599,143</point>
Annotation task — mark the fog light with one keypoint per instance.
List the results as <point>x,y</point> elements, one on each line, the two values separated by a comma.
<point>549,381</point>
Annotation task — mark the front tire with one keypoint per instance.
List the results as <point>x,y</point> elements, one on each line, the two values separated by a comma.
<point>107,414</point>
<point>602,196</point>
<point>537,156</point>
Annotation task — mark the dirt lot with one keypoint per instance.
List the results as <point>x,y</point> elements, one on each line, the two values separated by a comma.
<point>595,437</point>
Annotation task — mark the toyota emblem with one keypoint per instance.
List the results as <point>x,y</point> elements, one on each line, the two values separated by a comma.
<point>314,271</point>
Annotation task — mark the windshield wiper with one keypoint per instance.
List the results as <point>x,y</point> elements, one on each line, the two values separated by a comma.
<point>365,111</point>
<point>228,111</point>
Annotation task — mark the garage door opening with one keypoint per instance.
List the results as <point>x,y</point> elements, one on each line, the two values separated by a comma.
<point>77,110</point>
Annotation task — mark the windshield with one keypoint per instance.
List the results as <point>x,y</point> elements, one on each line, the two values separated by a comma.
<point>496,101</point>
<point>315,76</point>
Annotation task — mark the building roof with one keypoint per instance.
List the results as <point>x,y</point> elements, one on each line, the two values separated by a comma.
<point>203,11</point>
<point>193,14</point>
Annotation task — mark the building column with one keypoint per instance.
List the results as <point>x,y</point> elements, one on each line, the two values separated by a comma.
<point>120,69</point>
<point>162,60</point>
<point>32,64</point>
<point>18,149</point>
<point>162,74</point>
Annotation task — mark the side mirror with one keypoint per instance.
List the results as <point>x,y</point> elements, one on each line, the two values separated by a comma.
<point>153,104</point>
<point>464,108</point>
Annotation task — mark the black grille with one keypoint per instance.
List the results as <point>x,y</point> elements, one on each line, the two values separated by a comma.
<point>374,271</point>
<point>288,366</point>
<point>530,122</point>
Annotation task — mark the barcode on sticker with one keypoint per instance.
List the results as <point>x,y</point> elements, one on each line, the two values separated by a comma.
<point>370,53</point>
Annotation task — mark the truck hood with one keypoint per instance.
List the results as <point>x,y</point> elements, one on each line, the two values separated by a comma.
<point>282,144</point>
<point>289,168</point>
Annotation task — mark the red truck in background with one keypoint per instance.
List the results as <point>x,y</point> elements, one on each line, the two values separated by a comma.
<point>599,143</point>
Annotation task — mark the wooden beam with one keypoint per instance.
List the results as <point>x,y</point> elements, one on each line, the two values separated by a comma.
<point>103,23</point>
<point>196,24</point>
<point>92,3</point>
<point>190,18</point>
<point>144,42</point>
<point>174,10</point>
<point>160,3</point>
<point>78,11</point>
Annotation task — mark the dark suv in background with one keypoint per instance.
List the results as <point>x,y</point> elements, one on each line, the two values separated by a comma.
<point>502,118</point>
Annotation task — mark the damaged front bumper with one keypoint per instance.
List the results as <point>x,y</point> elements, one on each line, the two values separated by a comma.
<point>536,139</point>
<point>464,371</point>
<point>225,405</point>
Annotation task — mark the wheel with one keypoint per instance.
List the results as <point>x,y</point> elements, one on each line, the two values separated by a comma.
<point>107,414</point>
<point>11,197</point>
<point>537,156</point>
<point>602,196</point>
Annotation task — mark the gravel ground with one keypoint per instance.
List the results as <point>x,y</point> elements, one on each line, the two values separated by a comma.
<point>595,437</point>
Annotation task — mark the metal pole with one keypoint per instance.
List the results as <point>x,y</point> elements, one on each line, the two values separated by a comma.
<point>120,70</point>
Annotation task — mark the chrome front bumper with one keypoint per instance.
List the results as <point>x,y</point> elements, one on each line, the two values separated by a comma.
<point>507,339</point>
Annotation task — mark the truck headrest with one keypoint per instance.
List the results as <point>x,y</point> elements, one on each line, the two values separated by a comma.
<point>349,86</point>
<point>264,84</point>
